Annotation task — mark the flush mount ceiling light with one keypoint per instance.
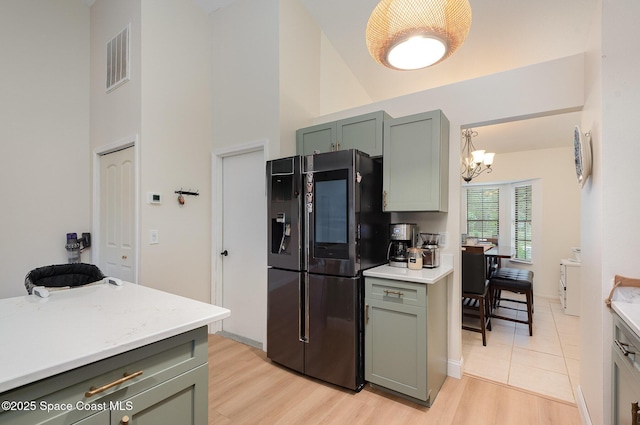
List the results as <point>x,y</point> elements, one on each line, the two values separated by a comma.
<point>414,34</point>
<point>474,161</point>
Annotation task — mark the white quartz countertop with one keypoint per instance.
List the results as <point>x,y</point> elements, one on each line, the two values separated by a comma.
<point>73,327</point>
<point>626,302</point>
<point>426,276</point>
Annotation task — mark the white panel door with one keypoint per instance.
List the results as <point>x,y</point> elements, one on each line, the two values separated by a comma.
<point>244,267</point>
<point>117,215</point>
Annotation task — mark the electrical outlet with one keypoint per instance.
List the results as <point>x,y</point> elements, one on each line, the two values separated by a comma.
<point>443,239</point>
<point>153,237</point>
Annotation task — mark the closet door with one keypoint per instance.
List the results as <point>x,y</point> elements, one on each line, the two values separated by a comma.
<point>117,215</point>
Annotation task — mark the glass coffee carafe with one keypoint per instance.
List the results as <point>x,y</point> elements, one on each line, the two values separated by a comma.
<point>402,237</point>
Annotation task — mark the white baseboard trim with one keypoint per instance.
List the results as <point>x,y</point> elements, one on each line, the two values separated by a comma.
<point>241,339</point>
<point>455,368</point>
<point>582,407</point>
<point>215,327</point>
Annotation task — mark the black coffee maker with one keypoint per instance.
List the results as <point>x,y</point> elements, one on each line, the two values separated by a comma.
<point>403,236</point>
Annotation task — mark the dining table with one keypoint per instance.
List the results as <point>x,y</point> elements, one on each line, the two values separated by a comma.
<point>495,254</point>
<point>492,253</point>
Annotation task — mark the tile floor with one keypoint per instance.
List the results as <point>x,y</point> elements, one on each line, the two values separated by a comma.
<point>546,363</point>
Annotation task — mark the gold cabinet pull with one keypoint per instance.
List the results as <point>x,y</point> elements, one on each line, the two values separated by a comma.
<point>398,293</point>
<point>124,420</point>
<point>93,390</point>
<point>333,147</point>
<point>366,314</point>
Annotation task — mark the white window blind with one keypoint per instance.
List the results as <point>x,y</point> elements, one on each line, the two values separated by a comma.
<point>483,212</point>
<point>522,223</point>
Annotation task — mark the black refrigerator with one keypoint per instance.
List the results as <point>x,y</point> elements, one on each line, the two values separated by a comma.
<point>326,226</point>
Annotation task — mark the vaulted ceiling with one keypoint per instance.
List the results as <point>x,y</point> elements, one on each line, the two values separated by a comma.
<point>504,35</point>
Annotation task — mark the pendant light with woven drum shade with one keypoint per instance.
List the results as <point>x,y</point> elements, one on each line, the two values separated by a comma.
<point>414,34</point>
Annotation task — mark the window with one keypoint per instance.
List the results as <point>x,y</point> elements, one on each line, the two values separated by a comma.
<point>522,223</point>
<point>483,212</point>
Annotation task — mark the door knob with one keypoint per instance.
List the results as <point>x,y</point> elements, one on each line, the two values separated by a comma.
<point>225,253</point>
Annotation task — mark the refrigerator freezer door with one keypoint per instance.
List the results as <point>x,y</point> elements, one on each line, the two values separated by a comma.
<point>334,352</point>
<point>284,315</point>
<point>284,200</point>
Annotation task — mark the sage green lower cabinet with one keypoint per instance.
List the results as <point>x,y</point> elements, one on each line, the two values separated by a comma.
<point>100,418</point>
<point>172,388</point>
<point>625,375</point>
<point>171,402</point>
<point>406,337</point>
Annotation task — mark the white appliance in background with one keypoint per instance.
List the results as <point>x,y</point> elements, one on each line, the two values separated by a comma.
<point>569,289</point>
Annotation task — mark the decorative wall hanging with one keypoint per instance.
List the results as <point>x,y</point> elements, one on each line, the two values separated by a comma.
<point>582,153</point>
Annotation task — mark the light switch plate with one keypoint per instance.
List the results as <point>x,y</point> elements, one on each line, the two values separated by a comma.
<point>153,237</point>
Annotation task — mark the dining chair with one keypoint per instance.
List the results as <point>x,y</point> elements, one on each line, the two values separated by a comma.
<point>475,293</point>
<point>518,281</point>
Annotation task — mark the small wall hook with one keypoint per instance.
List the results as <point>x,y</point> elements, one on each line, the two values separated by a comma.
<point>181,194</point>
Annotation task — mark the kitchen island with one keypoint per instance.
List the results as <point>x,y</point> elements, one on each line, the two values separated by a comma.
<point>406,329</point>
<point>93,352</point>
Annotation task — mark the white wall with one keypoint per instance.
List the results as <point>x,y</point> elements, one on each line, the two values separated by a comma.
<point>167,104</point>
<point>114,115</point>
<point>340,89</point>
<point>314,79</point>
<point>176,134</point>
<point>246,74</point>
<point>610,200</point>
<point>44,129</point>
<point>299,72</point>
<point>557,197</point>
<point>592,309</point>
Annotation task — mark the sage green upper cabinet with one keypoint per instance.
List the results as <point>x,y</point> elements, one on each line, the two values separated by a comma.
<point>416,163</point>
<point>318,138</point>
<point>363,132</point>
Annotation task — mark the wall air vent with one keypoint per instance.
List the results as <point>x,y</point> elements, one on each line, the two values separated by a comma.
<point>118,59</point>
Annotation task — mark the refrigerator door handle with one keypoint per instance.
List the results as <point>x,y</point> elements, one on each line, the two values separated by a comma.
<point>307,251</point>
<point>303,310</point>
<point>300,310</point>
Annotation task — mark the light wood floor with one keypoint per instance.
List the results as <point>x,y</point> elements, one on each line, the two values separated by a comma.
<point>247,388</point>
